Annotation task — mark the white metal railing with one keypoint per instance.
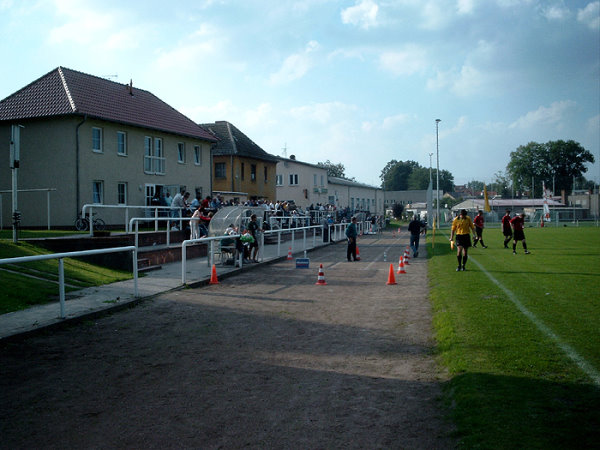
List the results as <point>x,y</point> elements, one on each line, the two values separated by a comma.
<point>135,221</point>
<point>47,190</point>
<point>261,247</point>
<point>89,208</point>
<point>61,270</point>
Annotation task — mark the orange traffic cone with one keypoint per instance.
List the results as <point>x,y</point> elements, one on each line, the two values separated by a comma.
<point>406,256</point>
<point>213,276</point>
<point>289,253</point>
<point>401,265</point>
<point>321,276</point>
<point>391,278</point>
<point>357,253</point>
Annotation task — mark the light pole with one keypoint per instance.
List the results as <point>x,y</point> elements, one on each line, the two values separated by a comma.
<point>430,155</point>
<point>437,175</point>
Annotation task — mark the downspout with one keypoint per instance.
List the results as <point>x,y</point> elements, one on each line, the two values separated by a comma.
<point>233,152</point>
<point>77,176</point>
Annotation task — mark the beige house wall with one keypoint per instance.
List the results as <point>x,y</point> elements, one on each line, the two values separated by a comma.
<point>306,192</point>
<point>48,160</point>
<point>357,197</point>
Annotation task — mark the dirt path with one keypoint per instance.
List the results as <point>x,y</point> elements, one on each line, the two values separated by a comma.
<point>266,359</point>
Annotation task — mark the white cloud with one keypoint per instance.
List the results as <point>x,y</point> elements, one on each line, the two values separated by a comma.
<point>590,15</point>
<point>363,14</point>
<point>465,6</point>
<point>262,115</point>
<point>556,12</point>
<point>322,113</point>
<point>411,59</point>
<point>551,115</point>
<point>295,66</point>
<point>434,16</point>
<point>388,123</point>
<point>593,124</point>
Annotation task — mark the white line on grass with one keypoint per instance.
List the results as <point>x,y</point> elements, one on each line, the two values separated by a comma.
<point>589,370</point>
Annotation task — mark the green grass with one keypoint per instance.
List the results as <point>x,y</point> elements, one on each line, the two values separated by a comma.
<point>20,291</point>
<point>511,385</point>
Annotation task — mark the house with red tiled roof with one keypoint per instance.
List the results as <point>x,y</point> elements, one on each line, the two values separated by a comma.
<point>98,141</point>
<point>241,167</point>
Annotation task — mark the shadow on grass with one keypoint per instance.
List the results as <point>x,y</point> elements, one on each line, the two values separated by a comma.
<point>494,411</point>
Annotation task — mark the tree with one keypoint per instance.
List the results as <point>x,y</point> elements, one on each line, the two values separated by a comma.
<point>334,170</point>
<point>397,209</point>
<point>558,161</point>
<point>394,176</point>
<point>501,185</point>
<point>419,179</point>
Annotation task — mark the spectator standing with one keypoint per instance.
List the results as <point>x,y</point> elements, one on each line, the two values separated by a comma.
<point>462,226</point>
<point>506,228</point>
<point>479,222</point>
<point>351,234</point>
<point>518,222</point>
<point>254,228</point>
<point>416,229</point>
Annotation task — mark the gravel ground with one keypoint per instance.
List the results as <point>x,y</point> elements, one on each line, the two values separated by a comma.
<point>265,359</point>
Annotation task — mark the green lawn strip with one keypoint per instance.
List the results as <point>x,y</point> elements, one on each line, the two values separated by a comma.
<point>511,386</point>
<point>20,291</point>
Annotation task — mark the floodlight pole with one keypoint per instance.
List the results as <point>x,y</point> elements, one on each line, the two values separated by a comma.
<point>437,175</point>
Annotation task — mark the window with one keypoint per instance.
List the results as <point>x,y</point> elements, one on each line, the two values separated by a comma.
<point>253,172</point>
<point>279,180</point>
<point>97,139</point>
<point>266,175</point>
<point>315,179</point>
<point>122,193</point>
<point>121,143</point>
<point>220,170</point>
<point>154,160</point>
<point>98,191</point>
<point>181,152</point>
<point>242,171</point>
<point>197,155</point>
<point>322,180</point>
<point>293,179</point>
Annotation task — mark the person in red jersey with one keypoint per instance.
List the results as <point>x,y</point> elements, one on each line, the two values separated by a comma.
<point>506,228</point>
<point>517,224</point>
<point>479,222</point>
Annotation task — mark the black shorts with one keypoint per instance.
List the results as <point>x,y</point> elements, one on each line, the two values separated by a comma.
<point>519,235</point>
<point>507,232</point>
<point>463,240</point>
<point>479,231</point>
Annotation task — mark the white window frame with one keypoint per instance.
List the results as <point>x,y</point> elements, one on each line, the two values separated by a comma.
<point>97,144</point>
<point>98,192</point>
<point>159,157</point>
<point>181,152</point>
<point>197,155</point>
<point>122,193</point>
<point>279,180</point>
<point>121,143</point>
<point>154,156</point>
<point>293,179</point>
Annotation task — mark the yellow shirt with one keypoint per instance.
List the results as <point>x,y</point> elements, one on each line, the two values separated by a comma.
<point>462,226</point>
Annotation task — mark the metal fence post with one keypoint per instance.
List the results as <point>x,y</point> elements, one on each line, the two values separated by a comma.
<point>61,286</point>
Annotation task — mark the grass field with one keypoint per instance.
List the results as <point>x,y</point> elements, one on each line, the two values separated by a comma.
<point>33,283</point>
<point>520,337</point>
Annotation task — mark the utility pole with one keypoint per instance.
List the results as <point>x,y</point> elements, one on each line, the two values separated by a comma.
<point>15,150</point>
<point>437,175</point>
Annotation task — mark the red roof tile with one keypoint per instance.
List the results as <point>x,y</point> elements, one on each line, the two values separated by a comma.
<point>64,91</point>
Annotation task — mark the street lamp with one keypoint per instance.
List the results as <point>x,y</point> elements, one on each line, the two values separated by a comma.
<point>437,175</point>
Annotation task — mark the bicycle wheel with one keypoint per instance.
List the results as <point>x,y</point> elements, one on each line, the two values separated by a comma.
<point>81,224</point>
<point>99,224</point>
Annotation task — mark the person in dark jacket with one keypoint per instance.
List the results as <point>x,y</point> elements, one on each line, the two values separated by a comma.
<point>351,234</point>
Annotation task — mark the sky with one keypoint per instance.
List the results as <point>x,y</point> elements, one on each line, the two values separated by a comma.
<point>357,82</point>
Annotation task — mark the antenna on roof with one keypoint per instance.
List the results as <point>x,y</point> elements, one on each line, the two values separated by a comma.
<point>284,150</point>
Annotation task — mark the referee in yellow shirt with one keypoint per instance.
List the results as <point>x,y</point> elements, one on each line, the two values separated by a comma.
<point>462,226</point>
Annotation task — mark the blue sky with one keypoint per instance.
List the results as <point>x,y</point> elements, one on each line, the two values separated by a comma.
<point>354,82</point>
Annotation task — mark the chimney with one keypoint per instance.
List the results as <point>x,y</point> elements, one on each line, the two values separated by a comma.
<point>293,157</point>
<point>130,86</point>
